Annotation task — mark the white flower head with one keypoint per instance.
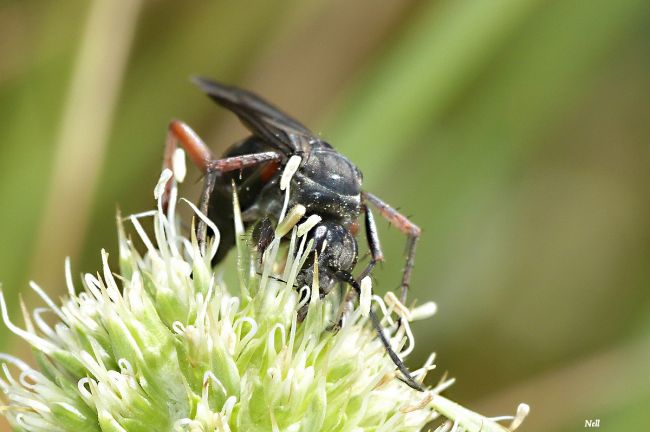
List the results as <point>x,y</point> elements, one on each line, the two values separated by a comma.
<point>165,346</point>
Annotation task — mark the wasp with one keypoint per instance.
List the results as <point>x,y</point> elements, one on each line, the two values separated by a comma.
<point>326,183</point>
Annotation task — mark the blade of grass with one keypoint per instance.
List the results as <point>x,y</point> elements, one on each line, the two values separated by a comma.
<point>401,96</point>
<point>468,169</point>
<point>493,133</point>
<point>82,139</point>
<point>30,109</point>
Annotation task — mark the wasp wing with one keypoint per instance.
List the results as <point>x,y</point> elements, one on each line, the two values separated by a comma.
<point>260,117</point>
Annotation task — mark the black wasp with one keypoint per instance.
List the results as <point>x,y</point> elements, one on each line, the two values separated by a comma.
<point>326,183</point>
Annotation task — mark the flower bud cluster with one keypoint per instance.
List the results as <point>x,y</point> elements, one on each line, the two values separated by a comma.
<point>165,346</point>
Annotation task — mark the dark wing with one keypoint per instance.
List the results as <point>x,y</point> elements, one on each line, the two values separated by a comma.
<point>260,117</point>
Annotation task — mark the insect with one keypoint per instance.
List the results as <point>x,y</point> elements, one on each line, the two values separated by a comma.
<point>326,183</point>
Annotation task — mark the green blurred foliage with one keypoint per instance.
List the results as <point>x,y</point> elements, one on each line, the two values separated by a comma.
<point>515,132</point>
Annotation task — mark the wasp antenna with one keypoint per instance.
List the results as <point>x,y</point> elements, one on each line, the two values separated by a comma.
<point>275,278</point>
<point>204,83</point>
<point>407,377</point>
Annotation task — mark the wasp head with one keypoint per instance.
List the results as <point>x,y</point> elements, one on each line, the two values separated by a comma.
<point>337,252</point>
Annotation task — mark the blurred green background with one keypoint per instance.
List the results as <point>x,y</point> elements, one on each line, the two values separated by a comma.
<point>515,132</point>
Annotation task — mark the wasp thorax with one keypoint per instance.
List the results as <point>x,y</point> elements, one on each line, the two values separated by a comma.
<point>328,184</point>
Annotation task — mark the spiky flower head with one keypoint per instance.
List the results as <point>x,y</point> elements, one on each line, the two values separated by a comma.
<point>165,346</point>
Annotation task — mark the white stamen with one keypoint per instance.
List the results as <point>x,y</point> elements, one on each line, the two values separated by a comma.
<point>171,217</point>
<point>304,295</point>
<point>93,286</point>
<point>178,327</point>
<point>215,243</point>
<point>66,406</point>
<point>428,366</point>
<point>428,397</point>
<point>228,406</point>
<point>37,342</point>
<point>32,404</point>
<point>307,225</point>
<point>47,300</point>
<point>141,215</point>
<point>366,296</point>
<point>292,334</point>
<point>424,311</point>
<point>15,361</point>
<point>322,249</point>
<point>384,310</point>
<point>295,214</point>
<point>393,302</point>
<point>303,257</point>
<point>299,260</point>
<point>443,386</point>
<point>244,340</point>
<point>93,365</point>
<point>29,379</point>
<point>81,386</point>
<point>409,337</point>
<point>522,412</point>
<point>162,183</point>
<point>289,170</point>
<point>112,289</point>
<point>143,236</point>
<point>239,224</point>
<point>178,165</point>
<point>203,306</point>
<point>125,366</point>
<point>271,340</point>
<point>68,278</point>
<point>501,418</point>
<point>41,324</point>
<point>9,376</point>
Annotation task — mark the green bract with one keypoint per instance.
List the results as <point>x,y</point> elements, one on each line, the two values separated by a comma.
<point>165,346</point>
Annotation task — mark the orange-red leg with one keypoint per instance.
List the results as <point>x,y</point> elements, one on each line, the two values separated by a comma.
<point>202,157</point>
<point>402,223</point>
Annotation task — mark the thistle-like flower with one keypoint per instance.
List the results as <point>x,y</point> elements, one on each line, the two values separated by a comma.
<point>165,346</point>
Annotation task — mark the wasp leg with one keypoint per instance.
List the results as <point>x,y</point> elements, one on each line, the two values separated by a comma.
<point>199,153</point>
<point>402,223</point>
<point>262,236</point>
<point>218,166</point>
<point>202,157</point>
<point>196,149</point>
<point>206,192</point>
<point>407,377</point>
<point>244,161</point>
<point>372,237</point>
<point>376,255</point>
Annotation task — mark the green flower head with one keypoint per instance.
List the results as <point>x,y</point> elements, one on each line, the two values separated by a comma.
<point>165,346</point>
